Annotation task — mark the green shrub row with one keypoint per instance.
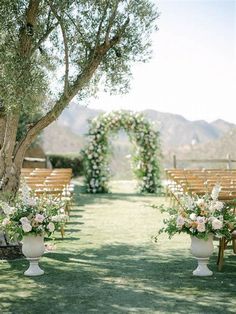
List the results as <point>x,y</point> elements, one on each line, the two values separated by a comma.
<point>67,161</point>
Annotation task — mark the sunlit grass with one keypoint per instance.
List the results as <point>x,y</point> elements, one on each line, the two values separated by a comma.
<point>109,263</point>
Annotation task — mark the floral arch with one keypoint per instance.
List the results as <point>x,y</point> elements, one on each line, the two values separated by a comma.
<point>146,150</point>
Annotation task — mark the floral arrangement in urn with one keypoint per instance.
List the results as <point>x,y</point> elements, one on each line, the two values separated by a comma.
<point>200,216</point>
<point>31,215</point>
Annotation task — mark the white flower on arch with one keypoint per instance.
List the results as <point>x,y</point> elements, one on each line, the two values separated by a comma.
<point>144,163</point>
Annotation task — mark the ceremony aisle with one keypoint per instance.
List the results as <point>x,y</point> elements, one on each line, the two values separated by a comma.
<point>108,262</point>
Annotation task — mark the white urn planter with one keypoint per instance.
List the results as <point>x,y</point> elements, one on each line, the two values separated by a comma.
<point>33,248</point>
<point>202,249</point>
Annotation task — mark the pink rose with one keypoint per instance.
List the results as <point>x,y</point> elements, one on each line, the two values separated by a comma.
<point>201,227</point>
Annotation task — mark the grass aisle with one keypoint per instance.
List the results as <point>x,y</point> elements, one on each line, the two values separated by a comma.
<point>108,263</point>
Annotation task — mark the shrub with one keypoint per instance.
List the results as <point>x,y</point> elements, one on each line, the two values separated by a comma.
<point>67,161</point>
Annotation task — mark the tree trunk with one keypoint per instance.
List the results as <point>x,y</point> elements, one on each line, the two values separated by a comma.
<point>12,153</point>
<point>10,179</point>
<point>9,176</point>
<point>9,185</point>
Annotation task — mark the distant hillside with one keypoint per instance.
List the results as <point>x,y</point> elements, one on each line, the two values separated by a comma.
<point>218,148</point>
<point>60,139</point>
<point>76,118</point>
<point>187,139</point>
<point>175,130</point>
<point>222,125</point>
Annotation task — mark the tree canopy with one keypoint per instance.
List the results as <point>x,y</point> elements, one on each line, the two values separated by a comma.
<point>53,50</point>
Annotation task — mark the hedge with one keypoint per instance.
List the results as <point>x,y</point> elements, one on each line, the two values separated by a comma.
<point>67,161</point>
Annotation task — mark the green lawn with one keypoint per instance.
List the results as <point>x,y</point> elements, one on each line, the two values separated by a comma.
<point>108,263</point>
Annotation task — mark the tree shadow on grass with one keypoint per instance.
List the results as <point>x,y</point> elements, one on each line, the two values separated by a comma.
<point>118,278</point>
<point>82,198</point>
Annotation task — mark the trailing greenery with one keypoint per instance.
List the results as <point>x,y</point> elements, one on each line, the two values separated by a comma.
<point>67,161</point>
<point>145,153</point>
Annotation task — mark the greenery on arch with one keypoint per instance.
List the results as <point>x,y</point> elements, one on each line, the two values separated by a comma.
<point>146,150</point>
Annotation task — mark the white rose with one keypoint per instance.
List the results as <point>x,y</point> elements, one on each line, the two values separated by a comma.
<point>201,227</point>
<point>193,216</point>
<point>31,201</point>
<point>24,220</point>
<point>217,224</point>
<point>201,220</point>
<point>59,218</point>
<point>55,218</point>
<point>26,227</point>
<point>39,218</point>
<point>180,221</point>
<point>51,226</point>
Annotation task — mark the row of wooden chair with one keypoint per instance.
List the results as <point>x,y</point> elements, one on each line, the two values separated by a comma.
<point>198,182</point>
<point>54,183</point>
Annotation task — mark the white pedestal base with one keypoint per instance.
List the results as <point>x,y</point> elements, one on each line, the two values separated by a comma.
<point>202,269</point>
<point>34,269</point>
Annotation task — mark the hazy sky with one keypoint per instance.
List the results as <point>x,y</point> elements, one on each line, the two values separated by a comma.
<point>193,70</point>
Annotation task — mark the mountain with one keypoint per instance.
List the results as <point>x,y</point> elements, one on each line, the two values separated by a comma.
<point>177,131</point>
<point>220,148</point>
<point>60,139</point>
<point>174,129</point>
<point>186,139</point>
<point>222,125</point>
<point>76,118</point>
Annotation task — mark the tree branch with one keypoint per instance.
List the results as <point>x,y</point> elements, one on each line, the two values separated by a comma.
<point>43,38</point>
<point>61,103</point>
<point>100,25</point>
<point>111,20</point>
<point>27,29</point>
<point>73,89</point>
<point>66,49</point>
<point>116,38</point>
<point>86,43</point>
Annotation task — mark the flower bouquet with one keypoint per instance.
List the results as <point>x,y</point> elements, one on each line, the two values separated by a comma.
<point>32,215</point>
<point>200,216</point>
<point>29,219</point>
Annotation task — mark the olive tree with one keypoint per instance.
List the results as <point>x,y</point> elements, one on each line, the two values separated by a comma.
<point>52,51</point>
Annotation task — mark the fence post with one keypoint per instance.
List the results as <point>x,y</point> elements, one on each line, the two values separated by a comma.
<point>229,163</point>
<point>174,162</point>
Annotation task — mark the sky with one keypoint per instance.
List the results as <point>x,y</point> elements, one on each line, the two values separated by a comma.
<point>193,69</point>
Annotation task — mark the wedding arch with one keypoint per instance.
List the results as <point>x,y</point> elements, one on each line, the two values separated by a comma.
<point>145,162</point>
